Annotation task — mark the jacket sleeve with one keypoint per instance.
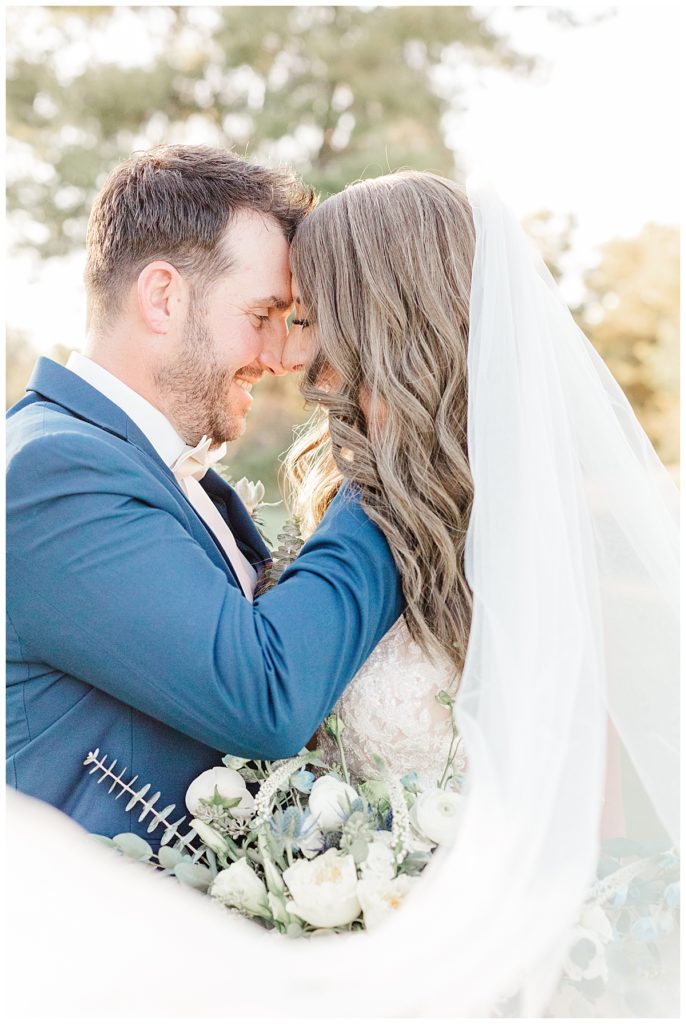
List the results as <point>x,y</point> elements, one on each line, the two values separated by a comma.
<point>105,584</point>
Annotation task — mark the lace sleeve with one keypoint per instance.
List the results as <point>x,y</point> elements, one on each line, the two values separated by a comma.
<point>390,709</point>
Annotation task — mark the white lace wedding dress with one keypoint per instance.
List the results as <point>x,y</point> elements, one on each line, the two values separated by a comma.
<point>390,709</point>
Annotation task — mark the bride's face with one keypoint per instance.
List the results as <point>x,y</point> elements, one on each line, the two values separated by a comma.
<point>300,347</point>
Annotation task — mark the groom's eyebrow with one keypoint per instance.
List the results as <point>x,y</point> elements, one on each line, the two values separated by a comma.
<point>274,302</point>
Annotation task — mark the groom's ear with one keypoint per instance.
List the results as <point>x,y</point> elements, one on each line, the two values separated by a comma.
<point>162,297</point>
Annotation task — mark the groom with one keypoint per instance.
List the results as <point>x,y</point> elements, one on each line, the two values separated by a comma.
<point>131,564</point>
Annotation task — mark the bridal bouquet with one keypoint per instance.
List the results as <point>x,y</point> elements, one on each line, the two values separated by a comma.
<point>307,850</point>
<point>300,848</point>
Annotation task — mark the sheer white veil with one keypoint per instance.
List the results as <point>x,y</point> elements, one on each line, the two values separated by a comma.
<point>572,555</point>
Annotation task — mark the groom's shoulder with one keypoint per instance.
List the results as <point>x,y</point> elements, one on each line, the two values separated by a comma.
<point>42,425</point>
<point>46,440</point>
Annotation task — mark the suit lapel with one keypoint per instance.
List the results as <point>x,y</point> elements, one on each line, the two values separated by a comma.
<point>237,517</point>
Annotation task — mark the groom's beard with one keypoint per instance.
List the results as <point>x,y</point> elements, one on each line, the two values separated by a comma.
<point>196,390</point>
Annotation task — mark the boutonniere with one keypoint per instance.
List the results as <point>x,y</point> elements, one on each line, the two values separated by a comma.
<point>289,541</point>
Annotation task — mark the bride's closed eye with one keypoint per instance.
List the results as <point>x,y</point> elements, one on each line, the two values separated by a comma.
<point>300,323</point>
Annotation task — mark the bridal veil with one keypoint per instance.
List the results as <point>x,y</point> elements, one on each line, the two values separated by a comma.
<point>572,555</point>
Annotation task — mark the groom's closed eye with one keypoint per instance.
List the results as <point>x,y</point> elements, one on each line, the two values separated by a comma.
<point>270,310</point>
<point>264,307</point>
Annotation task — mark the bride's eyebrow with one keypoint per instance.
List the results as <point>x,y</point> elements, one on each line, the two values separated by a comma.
<point>273,302</point>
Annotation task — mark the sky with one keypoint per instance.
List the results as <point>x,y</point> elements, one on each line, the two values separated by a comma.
<point>593,134</point>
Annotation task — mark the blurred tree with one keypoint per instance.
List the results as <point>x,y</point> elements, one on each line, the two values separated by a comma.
<point>338,92</point>
<point>631,314</point>
<point>279,408</point>
<point>20,358</point>
<point>552,235</point>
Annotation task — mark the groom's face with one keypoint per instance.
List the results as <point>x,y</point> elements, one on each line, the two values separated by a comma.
<point>233,334</point>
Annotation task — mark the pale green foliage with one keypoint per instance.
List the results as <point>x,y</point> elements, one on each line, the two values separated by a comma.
<point>133,845</point>
<point>20,358</point>
<point>289,542</point>
<point>338,92</point>
<point>631,314</point>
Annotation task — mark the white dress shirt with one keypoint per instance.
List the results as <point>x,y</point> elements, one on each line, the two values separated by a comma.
<point>170,447</point>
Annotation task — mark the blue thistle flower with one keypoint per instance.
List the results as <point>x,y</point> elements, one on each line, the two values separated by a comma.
<point>303,781</point>
<point>331,840</point>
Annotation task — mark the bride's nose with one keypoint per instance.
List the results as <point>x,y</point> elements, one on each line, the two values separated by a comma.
<point>295,351</point>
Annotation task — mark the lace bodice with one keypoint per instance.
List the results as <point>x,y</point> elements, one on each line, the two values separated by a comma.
<point>390,709</point>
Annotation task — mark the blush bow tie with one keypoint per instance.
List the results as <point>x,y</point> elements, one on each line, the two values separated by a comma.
<point>196,461</point>
<point>189,469</point>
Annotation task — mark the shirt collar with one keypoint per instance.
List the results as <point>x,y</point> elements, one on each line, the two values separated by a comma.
<point>154,424</point>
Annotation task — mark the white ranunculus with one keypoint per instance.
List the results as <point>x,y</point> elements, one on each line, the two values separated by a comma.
<point>436,813</point>
<point>239,886</point>
<point>250,494</point>
<point>330,801</point>
<point>380,861</point>
<point>586,956</point>
<point>380,896</point>
<point>228,783</point>
<point>324,890</point>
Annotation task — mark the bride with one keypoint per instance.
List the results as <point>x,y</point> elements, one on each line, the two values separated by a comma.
<point>382,275</point>
<point>535,532</point>
<point>381,283</point>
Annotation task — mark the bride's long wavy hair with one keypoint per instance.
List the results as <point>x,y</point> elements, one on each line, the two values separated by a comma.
<point>384,273</point>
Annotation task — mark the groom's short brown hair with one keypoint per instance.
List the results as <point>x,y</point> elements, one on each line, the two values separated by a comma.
<point>174,203</point>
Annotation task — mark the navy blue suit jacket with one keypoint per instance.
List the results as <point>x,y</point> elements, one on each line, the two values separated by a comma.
<point>126,627</point>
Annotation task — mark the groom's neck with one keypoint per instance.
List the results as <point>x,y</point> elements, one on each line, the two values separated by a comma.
<point>124,356</point>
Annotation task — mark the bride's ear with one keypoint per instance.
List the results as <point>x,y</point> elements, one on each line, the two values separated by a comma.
<point>374,409</point>
<point>162,296</point>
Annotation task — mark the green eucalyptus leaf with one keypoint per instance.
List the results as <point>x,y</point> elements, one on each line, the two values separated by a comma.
<point>105,840</point>
<point>195,875</point>
<point>169,857</point>
<point>133,846</point>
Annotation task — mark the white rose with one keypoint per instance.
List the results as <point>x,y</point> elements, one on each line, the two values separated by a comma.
<point>330,801</point>
<point>380,861</point>
<point>228,783</point>
<point>324,890</point>
<point>436,813</point>
<point>239,886</point>
<point>250,494</point>
<point>380,896</point>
